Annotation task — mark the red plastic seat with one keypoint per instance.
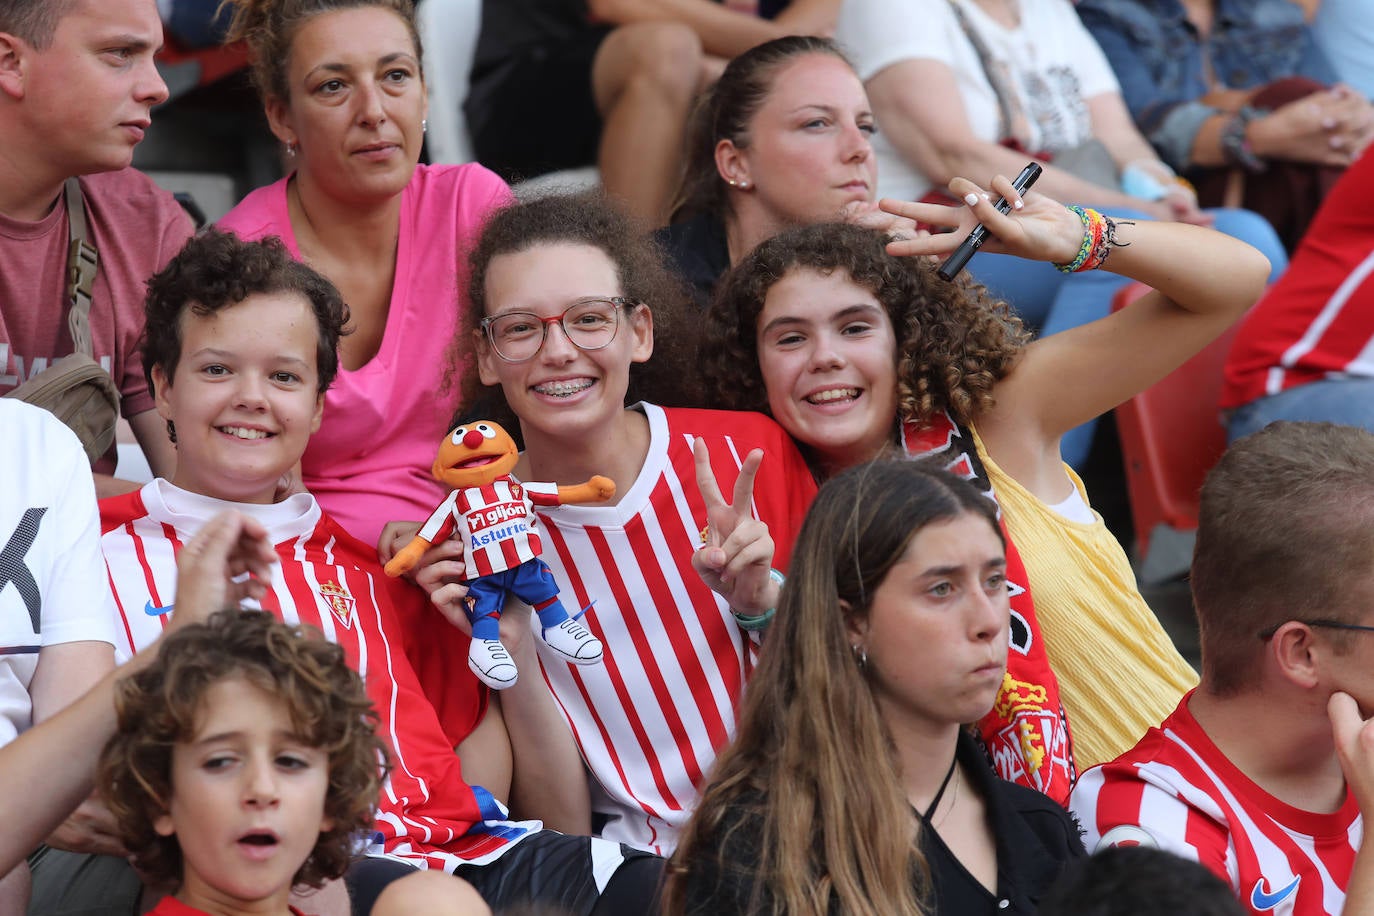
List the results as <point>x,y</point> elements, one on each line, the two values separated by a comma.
<point>1171,435</point>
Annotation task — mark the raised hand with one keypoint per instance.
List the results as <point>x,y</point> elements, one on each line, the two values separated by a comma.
<point>737,552</point>
<point>1037,227</point>
<point>1354,736</point>
<point>229,559</point>
<point>91,828</point>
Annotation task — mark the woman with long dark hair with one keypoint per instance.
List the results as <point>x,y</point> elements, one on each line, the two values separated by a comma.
<point>852,786</point>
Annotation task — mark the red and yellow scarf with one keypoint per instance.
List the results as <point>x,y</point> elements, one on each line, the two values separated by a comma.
<point>1027,732</point>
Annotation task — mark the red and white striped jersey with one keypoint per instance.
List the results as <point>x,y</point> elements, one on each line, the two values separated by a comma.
<point>1176,790</point>
<point>496,522</point>
<point>651,718</point>
<point>1317,321</point>
<point>325,579</point>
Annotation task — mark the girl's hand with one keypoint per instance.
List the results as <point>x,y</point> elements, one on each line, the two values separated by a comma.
<point>867,214</point>
<point>737,552</point>
<point>442,573</point>
<point>1036,228</point>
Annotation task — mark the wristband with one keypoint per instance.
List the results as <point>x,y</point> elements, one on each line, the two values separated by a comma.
<point>758,622</point>
<point>1235,147</point>
<point>1099,238</point>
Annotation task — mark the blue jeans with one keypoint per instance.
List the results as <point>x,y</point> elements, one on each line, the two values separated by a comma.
<point>1050,301</point>
<point>1348,401</point>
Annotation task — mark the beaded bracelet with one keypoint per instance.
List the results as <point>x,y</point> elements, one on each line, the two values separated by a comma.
<point>1099,237</point>
<point>760,621</point>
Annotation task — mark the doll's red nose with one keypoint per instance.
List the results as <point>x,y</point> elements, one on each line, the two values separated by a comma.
<point>472,438</point>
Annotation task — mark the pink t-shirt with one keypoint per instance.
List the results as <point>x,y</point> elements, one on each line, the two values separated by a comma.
<point>136,228</point>
<point>370,461</point>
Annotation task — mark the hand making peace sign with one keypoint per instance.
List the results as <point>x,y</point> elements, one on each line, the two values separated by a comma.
<point>737,551</point>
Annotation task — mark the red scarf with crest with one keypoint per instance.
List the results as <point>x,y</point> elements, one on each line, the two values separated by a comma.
<point>1027,732</point>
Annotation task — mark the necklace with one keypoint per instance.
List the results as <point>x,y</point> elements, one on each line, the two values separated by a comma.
<point>935,802</point>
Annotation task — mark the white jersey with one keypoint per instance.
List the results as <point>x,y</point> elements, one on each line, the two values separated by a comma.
<point>51,585</point>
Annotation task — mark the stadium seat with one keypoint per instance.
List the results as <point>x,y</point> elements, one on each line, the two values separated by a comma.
<point>1171,435</point>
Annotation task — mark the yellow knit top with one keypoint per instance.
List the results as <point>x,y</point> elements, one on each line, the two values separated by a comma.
<point>1119,673</point>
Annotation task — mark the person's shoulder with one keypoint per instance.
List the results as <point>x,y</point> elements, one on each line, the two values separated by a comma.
<point>740,425</point>
<point>362,555</point>
<point>129,182</point>
<point>696,250</point>
<point>43,448</point>
<point>1057,829</point>
<point>22,421</point>
<point>128,198</point>
<point>457,179</point>
<point>118,511</point>
<point>258,214</point>
<point>1172,765</point>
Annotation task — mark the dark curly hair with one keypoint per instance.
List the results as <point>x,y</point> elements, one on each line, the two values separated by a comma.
<point>216,270</point>
<point>671,378</point>
<point>955,342</point>
<point>161,705</point>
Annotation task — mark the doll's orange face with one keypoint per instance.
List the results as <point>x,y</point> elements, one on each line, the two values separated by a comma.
<point>475,454</point>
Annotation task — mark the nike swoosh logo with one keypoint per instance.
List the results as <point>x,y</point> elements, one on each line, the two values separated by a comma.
<point>153,611</point>
<point>1262,901</point>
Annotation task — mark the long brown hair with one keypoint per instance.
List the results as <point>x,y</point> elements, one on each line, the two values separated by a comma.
<point>269,27</point>
<point>811,773</point>
<point>955,342</point>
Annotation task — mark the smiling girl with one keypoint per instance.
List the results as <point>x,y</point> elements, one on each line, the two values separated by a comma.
<point>650,719</point>
<point>855,349</point>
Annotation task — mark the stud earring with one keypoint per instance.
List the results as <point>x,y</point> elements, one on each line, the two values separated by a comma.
<point>291,148</point>
<point>424,125</point>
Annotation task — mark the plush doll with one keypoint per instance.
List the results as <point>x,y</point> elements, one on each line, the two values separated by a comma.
<point>495,514</point>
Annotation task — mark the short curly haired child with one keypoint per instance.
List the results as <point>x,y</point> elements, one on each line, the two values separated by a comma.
<point>240,731</point>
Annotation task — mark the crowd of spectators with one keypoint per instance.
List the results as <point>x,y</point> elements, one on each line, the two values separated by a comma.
<point>867,645</point>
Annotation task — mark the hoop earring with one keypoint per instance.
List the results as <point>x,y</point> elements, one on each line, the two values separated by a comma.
<point>860,656</point>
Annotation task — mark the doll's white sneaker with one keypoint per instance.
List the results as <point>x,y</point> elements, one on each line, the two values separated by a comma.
<point>574,642</point>
<point>492,664</point>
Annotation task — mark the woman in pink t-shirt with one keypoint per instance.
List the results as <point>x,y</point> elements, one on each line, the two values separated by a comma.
<point>344,92</point>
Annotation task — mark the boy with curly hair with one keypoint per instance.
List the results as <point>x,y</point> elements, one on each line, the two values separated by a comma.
<point>245,762</point>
